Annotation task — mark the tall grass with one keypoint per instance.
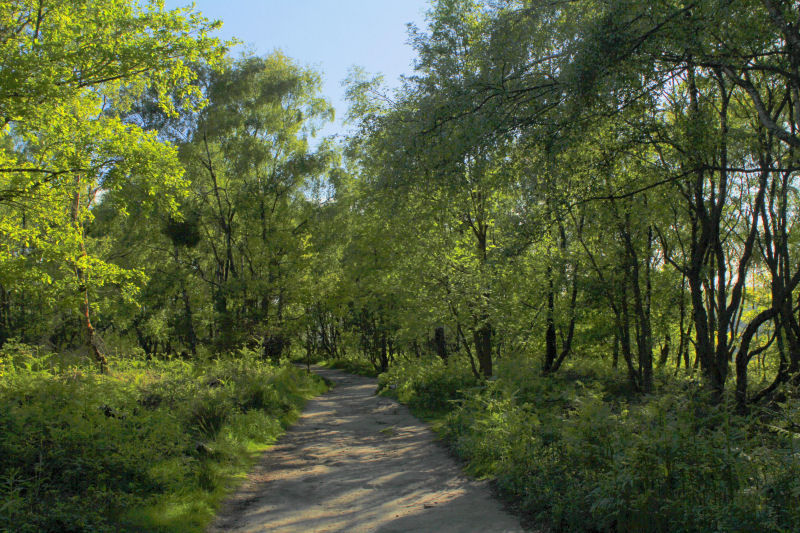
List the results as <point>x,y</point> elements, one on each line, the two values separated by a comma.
<point>579,456</point>
<point>151,446</point>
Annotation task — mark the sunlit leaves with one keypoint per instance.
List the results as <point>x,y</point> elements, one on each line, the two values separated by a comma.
<point>67,70</point>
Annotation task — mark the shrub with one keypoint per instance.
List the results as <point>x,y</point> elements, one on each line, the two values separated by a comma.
<point>208,413</point>
<point>428,386</point>
<point>354,365</point>
<point>581,461</point>
<point>152,445</point>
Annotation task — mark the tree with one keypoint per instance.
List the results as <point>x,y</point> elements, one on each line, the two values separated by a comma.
<point>250,166</point>
<point>64,67</point>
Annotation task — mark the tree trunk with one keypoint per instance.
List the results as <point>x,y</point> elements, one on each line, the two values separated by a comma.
<point>644,340</point>
<point>440,343</point>
<point>665,350</point>
<point>625,339</point>
<point>482,338</point>
<point>191,336</point>
<point>384,358</point>
<point>83,288</point>
<point>5,318</point>
<point>550,340</point>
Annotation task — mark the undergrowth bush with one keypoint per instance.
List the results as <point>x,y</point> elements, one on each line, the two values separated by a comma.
<point>429,385</point>
<point>151,446</point>
<point>578,459</point>
<point>354,365</point>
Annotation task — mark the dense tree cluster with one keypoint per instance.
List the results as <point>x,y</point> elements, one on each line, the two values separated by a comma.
<point>582,179</point>
<point>152,189</point>
<point>563,180</point>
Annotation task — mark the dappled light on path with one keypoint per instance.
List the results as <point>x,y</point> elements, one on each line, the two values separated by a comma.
<point>359,462</point>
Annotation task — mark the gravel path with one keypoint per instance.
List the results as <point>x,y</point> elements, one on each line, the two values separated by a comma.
<point>357,462</point>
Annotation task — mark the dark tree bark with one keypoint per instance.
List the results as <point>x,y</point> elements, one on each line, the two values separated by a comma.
<point>440,343</point>
<point>550,340</point>
<point>482,338</point>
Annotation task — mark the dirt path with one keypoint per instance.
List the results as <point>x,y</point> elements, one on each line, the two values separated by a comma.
<point>357,462</point>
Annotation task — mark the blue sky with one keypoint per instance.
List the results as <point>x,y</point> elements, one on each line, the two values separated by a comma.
<point>329,35</point>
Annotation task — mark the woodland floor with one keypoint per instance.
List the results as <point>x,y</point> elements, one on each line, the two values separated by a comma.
<point>357,462</point>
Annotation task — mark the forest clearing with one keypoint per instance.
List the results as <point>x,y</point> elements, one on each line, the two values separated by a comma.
<point>567,239</point>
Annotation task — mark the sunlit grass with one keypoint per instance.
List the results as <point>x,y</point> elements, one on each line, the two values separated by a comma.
<point>577,452</point>
<point>354,365</point>
<point>192,510</point>
<point>151,446</point>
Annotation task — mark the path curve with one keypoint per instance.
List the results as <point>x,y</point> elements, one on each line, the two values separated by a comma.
<point>357,462</point>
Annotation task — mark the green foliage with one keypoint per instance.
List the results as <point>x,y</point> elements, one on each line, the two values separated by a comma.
<point>354,365</point>
<point>429,387</point>
<point>152,440</point>
<point>67,72</point>
<point>670,463</point>
<point>579,462</point>
<point>607,185</point>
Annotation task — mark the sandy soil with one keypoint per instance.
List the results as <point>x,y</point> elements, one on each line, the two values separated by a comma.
<point>357,462</point>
